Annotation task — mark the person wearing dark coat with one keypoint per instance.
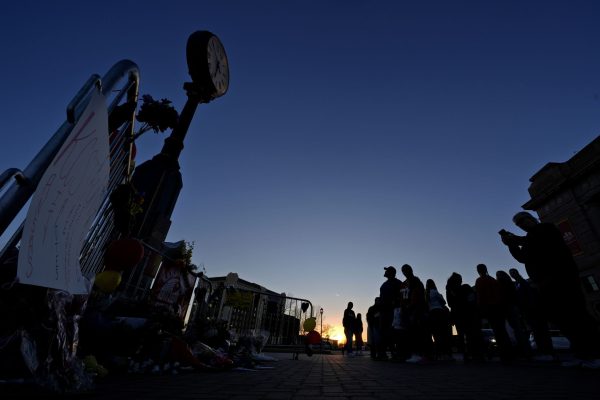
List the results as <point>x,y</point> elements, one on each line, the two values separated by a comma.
<point>348,321</point>
<point>415,309</point>
<point>535,316</point>
<point>550,265</point>
<point>464,315</point>
<point>389,295</point>
<point>374,327</point>
<point>358,331</point>
<point>489,303</point>
<point>512,312</point>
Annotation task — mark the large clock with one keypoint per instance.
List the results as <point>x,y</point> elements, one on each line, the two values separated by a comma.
<point>207,63</point>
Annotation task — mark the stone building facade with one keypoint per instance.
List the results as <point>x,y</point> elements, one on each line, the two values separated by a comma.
<point>568,195</point>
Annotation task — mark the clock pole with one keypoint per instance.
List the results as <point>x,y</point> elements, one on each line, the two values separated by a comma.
<point>159,179</point>
<point>174,143</point>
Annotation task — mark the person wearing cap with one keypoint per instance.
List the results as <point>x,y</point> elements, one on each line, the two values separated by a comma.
<point>389,295</point>
<point>550,265</point>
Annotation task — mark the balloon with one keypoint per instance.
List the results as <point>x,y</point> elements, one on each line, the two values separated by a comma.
<point>107,281</point>
<point>101,371</point>
<point>309,324</point>
<point>123,254</point>
<point>304,307</point>
<point>313,337</point>
<point>90,363</point>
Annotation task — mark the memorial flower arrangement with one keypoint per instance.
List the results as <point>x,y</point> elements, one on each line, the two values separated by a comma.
<point>182,255</point>
<point>156,115</point>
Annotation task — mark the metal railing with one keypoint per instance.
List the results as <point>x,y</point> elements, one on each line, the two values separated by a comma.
<point>119,83</point>
<point>252,312</point>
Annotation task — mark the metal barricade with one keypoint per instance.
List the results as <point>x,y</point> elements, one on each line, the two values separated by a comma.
<point>120,82</point>
<point>252,312</point>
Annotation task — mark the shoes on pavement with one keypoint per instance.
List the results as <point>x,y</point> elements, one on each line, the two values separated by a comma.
<point>414,359</point>
<point>576,362</point>
<point>446,358</point>
<point>543,357</point>
<point>424,361</point>
<point>591,364</point>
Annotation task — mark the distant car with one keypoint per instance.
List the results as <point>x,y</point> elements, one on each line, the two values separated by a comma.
<point>326,345</point>
<point>559,341</point>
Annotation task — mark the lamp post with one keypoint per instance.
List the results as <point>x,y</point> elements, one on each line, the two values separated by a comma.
<point>321,333</point>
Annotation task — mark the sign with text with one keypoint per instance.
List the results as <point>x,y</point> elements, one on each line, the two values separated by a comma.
<point>65,205</point>
<point>173,288</point>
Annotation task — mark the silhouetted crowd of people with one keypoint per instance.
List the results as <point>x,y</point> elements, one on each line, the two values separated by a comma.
<point>413,322</point>
<point>353,328</point>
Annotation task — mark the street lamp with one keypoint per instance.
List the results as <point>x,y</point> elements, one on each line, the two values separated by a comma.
<point>321,312</point>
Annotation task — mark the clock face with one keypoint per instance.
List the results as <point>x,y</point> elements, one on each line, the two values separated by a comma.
<point>208,65</point>
<point>218,67</point>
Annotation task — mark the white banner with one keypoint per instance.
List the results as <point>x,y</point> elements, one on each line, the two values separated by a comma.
<point>65,204</point>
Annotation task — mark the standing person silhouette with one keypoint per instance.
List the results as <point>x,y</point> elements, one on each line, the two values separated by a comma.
<point>358,331</point>
<point>389,295</point>
<point>465,317</point>
<point>513,314</point>
<point>489,302</point>
<point>348,322</point>
<point>550,265</point>
<point>415,307</point>
<point>528,300</point>
<point>439,322</point>
<point>374,327</point>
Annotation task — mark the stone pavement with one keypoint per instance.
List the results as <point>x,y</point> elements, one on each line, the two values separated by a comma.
<point>357,378</point>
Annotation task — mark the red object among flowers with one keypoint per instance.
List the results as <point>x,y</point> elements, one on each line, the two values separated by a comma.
<point>123,254</point>
<point>313,337</point>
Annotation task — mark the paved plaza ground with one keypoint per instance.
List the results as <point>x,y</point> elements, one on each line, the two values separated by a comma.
<point>356,378</point>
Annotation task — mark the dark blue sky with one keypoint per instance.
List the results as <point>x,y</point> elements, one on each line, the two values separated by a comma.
<point>354,135</point>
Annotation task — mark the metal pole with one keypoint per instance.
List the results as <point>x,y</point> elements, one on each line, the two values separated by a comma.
<point>321,333</point>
